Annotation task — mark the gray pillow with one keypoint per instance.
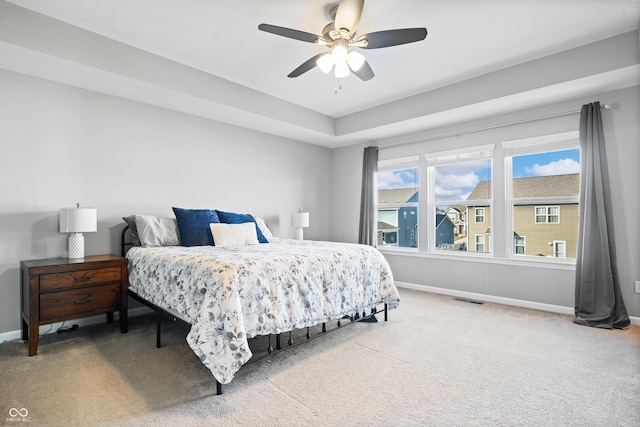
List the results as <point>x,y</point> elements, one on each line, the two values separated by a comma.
<point>157,230</point>
<point>131,222</point>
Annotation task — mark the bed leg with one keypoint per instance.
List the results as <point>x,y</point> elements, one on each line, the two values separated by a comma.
<point>269,348</point>
<point>371,318</point>
<point>278,342</point>
<point>218,388</point>
<point>385,312</point>
<point>290,342</point>
<point>324,328</point>
<point>158,328</point>
<point>308,335</point>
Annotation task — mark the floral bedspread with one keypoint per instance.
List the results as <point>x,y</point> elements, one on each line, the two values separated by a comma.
<point>232,294</point>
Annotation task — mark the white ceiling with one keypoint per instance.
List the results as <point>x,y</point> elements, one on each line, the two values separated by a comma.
<point>466,39</point>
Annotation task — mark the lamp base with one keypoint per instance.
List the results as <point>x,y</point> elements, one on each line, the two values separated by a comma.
<point>76,246</point>
<point>299,233</point>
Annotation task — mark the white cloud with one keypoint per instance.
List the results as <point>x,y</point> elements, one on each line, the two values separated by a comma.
<point>468,180</point>
<point>455,187</point>
<point>448,193</point>
<point>558,167</point>
<point>397,179</point>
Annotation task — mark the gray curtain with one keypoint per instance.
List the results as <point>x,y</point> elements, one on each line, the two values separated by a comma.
<point>367,234</point>
<point>598,299</point>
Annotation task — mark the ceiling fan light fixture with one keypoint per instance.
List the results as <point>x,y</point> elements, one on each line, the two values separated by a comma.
<point>340,37</point>
<point>325,63</point>
<point>355,60</point>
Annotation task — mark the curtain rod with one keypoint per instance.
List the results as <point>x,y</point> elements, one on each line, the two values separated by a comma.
<point>608,106</point>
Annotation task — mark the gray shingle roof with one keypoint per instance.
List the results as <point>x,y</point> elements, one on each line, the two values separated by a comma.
<point>537,186</point>
<point>396,195</point>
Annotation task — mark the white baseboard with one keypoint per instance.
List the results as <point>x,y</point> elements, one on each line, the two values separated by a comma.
<point>85,321</point>
<point>498,300</point>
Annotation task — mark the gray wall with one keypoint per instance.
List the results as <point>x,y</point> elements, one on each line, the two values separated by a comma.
<point>520,281</point>
<point>60,145</point>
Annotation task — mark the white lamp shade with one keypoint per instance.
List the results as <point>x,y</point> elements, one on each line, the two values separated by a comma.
<point>299,219</point>
<point>78,220</point>
<point>355,60</point>
<point>342,70</point>
<point>325,63</point>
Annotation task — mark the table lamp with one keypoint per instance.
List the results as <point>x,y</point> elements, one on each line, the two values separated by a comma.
<point>77,221</point>
<point>299,220</point>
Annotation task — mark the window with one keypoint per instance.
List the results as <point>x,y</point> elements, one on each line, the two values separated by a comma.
<point>520,245</point>
<point>398,204</point>
<point>543,180</point>
<point>547,214</point>
<point>559,249</point>
<point>519,198</point>
<point>461,187</point>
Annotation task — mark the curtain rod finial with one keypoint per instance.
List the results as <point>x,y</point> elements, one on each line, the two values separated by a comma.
<point>611,106</point>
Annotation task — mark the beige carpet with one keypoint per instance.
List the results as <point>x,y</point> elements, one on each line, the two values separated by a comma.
<point>436,362</point>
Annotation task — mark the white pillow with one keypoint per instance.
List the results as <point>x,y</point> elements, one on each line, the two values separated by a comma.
<point>225,235</point>
<point>263,227</point>
<point>157,230</point>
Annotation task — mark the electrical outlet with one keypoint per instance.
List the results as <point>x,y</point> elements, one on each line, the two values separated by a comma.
<point>637,286</point>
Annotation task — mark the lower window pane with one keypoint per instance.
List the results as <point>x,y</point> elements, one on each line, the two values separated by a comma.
<point>451,228</point>
<point>398,227</point>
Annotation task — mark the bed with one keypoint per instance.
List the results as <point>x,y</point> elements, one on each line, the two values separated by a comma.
<point>230,293</point>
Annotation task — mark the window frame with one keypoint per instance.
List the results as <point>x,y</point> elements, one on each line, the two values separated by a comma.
<point>547,214</point>
<point>523,245</point>
<point>547,143</point>
<point>555,251</point>
<point>500,245</point>
<point>452,157</point>
<point>399,164</point>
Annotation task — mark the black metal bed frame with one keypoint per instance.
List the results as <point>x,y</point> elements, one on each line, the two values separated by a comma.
<point>270,350</point>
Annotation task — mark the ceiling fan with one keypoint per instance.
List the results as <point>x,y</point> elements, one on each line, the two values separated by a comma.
<point>340,37</point>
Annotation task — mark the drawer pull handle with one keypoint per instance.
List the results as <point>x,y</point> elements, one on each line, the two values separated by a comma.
<point>82,279</point>
<point>83,301</point>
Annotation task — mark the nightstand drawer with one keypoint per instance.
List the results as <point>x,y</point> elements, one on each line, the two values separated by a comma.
<point>79,278</point>
<point>76,301</point>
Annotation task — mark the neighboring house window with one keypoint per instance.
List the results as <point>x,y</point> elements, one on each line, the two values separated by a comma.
<point>559,249</point>
<point>547,214</point>
<point>479,215</point>
<point>543,181</point>
<point>520,245</point>
<point>398,203</point>
<point>480,238</point>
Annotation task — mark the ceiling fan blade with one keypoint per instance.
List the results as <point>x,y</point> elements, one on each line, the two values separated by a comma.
<point>306,66</point>
<point>348,15</point>
<point>364,73</point>
<point>288,32</point>
<point>392,37</point>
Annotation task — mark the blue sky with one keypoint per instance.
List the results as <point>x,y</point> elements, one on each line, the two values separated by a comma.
<point>457,181</point>
<point>553,163</point>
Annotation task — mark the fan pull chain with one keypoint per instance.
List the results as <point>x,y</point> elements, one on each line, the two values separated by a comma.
<point>338,86</point>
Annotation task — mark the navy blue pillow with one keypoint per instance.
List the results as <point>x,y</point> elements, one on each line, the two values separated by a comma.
<point>193,226</point>
<point>236,218</point>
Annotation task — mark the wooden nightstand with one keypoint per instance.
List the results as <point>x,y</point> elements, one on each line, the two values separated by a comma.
<point>57,289</point>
